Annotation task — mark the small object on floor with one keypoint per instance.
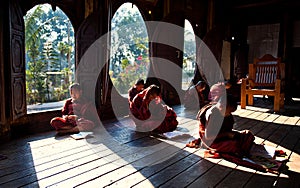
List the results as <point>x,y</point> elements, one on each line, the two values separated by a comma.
<point>280,153</point>
<point>174,134</point>
<point>2,157</point>
<point>81,135</point>
<point>194,143</point>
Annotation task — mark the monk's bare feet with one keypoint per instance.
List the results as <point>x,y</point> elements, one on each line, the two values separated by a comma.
<point>194,144</point>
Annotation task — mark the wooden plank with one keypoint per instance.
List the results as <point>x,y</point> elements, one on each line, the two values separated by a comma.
<point>267,131</point>
<point>262,179</point>
<point>58,162</point>
<point>56,167</point>
<point>234,178</point>
<point>212,177</point>
<point>44,152</point>
<point>150,171</point>
<point>196,171</point>
<point>271,118</point>
<point>189,175</point>
<point>15,170</point>
<point>93,170</point>
<point>243,113</point>
<point>30,171</point>
<point>274,140</point>
<point>154,158</point>
<point>237,177</point>
<point>291,176</point>
<point>168,173</point>
<point>60,174</point>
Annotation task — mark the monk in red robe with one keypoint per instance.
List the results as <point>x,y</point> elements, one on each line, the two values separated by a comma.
<point>150,114</point>
<point>134,90</point>
<point>196,96</point>
<point>216,129</point>
<point>78,114</point>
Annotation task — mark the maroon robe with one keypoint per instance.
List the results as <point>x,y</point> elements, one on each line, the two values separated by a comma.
<point>231,149</point>
<point>143,118</point>
<point>239,145</point>
<point>132,92</point>
<point>84,109</point>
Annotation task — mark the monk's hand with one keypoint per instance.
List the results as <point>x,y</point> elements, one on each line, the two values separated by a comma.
<point>65,117</point>
<point>73,117</point>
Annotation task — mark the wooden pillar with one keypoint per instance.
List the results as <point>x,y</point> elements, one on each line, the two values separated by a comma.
<point>210,15</point>
<point>17,61</point>
<point>166,7</point>
<point>285,44</point>
<point>4,123</point>
<point>12,63</point>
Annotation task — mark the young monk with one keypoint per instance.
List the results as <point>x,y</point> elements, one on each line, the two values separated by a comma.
<point>216,91</point>
<point>138,87</point>
<point>78,114</point>
<point>216,129</point>
<point>194,94</point>
<point>149,114</point>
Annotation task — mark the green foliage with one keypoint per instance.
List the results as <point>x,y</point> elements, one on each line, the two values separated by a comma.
<point>50,57</point>
<point>36,77</point>
<point>189,56</point>
<point>49,54</point>
<point>130,50</point>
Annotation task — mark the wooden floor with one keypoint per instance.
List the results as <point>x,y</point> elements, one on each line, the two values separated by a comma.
<point>117,156</point>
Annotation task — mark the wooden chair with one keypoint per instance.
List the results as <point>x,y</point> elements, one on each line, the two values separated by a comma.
<point>266,77</point>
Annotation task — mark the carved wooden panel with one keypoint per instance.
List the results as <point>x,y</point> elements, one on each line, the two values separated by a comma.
<point>88,59</point>
<point>87,33</point>
<point>17,44</point>
<point>19,105</point>
<point>17,60</point>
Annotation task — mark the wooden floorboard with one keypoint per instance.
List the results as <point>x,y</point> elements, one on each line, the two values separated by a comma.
<point>117,156</point>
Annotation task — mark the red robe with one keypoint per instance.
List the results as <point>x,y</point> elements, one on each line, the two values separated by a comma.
<point>132,92</point>
<point>238,146</point>
<point>163,118</point>
<point>84,109</point>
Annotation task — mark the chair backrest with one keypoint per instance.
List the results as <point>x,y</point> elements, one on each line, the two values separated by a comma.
<point>264,71</point>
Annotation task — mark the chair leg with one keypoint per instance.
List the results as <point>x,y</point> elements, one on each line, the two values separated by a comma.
<point>250,99</point>
<point>243,94</point>
<point>243,101</point>
<point>277,103</point>
<point>282,100</point>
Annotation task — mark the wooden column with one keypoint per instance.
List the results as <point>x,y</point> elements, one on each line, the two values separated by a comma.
<point>285,44</point>
<point>210,14</point>
<point>4,124</point>
<point>17,61</point>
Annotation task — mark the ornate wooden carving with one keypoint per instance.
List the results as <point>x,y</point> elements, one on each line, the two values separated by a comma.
<point>18,99</point>
<point>88,32</point>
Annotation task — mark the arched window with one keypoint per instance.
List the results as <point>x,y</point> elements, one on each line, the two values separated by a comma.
<point>49,52</point>
<point>189,55</point>
<point>129,59</point>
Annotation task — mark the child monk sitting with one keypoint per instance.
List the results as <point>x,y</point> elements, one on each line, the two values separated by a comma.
<point>150,114</point>
<point>196,96</point>
<point>216,129</point>
<point>78,114</point>
<point>135,89</point>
